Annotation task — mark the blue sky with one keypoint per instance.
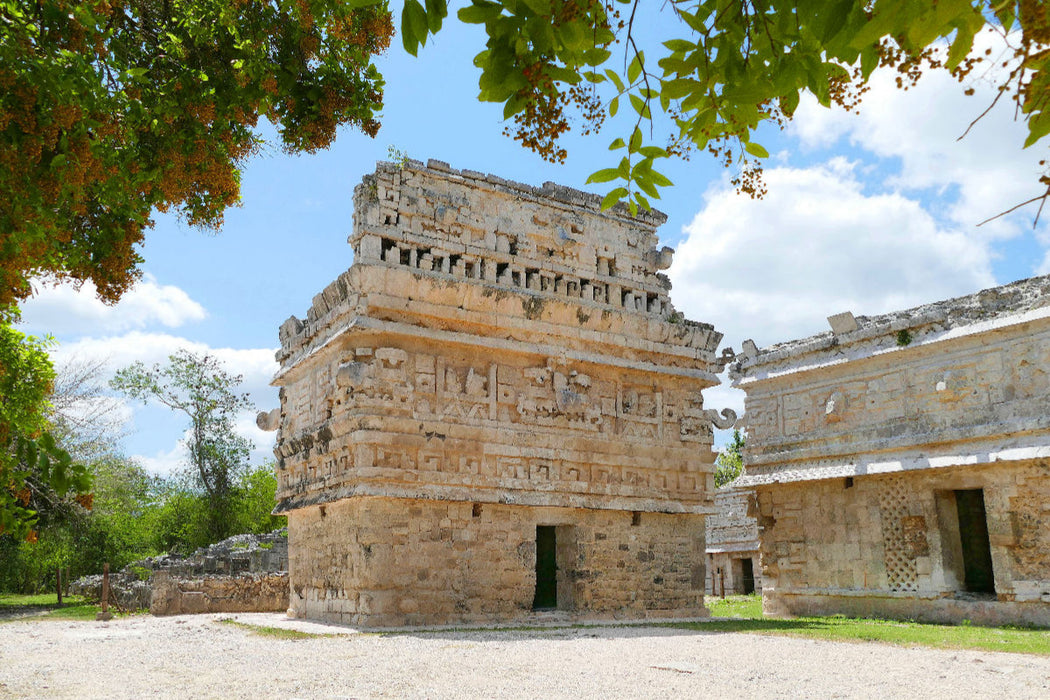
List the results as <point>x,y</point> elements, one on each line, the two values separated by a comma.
<point>869,212</point>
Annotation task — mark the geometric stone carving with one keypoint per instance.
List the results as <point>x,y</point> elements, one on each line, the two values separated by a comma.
<point>723,422</point>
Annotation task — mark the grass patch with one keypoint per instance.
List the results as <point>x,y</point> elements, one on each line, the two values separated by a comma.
<point>44,606</point>
<point>740,606</point>
<point>746,616</point>
<point>272,632</point>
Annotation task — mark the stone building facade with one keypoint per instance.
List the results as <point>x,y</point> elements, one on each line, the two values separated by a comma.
<point>901,463</point>
<point>495,410</point>
<point>732,544</point>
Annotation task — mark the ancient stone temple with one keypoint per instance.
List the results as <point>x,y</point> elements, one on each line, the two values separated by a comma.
<point>902,462</point>
<point>495,410</point>
<point>732,544</point>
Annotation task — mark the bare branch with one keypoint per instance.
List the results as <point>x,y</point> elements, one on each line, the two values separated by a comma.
<point>1041,199</point>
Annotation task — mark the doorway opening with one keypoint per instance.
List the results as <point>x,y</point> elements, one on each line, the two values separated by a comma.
<point>747,575</point>
<point>546,597</point>
<point>973,535</point>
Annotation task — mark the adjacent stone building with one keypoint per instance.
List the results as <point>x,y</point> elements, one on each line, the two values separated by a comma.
<point>901,463</point>
<point>495,410</point>
<point>732,544</point>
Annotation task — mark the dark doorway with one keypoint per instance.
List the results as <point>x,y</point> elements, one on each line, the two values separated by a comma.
<point>973,533</point>
<point>747,575</point>
<point>546,568</point>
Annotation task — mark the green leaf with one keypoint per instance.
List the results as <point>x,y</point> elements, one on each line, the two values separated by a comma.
<point>636,141</point>
<point>640,106</point>
<point>596,56</point>
<point>413,26</point>
<point>614,106</point>
<point>604,175</point>
<point>514,105</point>
<point>615,78</point>
<point>661,179</point>
<point>644,183</point>
<point>437,10</point>
<point>635,68</point>
<point>834,17</point>
<point>678,88</point>
<point>789,103</point>
<point>756,150</point>
<point>480,12</point>
<point>539,7</point>
<point>613,197</point>
<point>617,144</point>
<point>680,45</point>
<point>1038,127</point>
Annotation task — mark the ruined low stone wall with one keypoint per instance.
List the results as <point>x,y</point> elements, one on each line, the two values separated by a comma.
<point>399,562</point>
<point>127,591</point>
<point>889,545</point>
<point>175,595</point>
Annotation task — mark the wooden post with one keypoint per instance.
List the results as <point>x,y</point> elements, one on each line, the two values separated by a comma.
<point>722,580</point>
<point>105,614</point>
<point>58,583</point>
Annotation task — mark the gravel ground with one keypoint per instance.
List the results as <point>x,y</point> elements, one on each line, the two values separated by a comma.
<point>198,657</point>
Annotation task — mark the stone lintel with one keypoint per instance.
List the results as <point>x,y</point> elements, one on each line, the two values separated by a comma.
<point>368,325</point>
<point>523,497</point>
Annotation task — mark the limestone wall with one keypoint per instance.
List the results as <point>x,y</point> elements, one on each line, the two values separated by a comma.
<point>496,342</point>
<point>499,347</point>
<point>962,380</point>
<point>176,595</point>
<point>862,440</point>
<point>395,562</point>
<point>888,545</point>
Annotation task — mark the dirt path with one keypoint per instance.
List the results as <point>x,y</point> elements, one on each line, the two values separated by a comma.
<point>199,657</point>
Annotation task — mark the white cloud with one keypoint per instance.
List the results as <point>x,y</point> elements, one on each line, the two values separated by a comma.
<point>256,365</point>
<point>263,440</point>
<point>63,309</point>
<point>774,269</point>
<point>168,462</point>
<point>985,173</point>
<point>164,463</point>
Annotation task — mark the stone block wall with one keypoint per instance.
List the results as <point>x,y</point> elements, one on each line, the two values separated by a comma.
<point>887,545</point>
<point>398,562</point>
<point>900,461</point>
<point>177,595</point>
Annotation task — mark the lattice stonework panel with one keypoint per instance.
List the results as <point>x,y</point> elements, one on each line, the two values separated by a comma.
<point>898,543</point>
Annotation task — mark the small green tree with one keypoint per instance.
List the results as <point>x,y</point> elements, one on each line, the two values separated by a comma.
<point>730,462</point>
<point>198,386</point>
<point>256,497</point>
